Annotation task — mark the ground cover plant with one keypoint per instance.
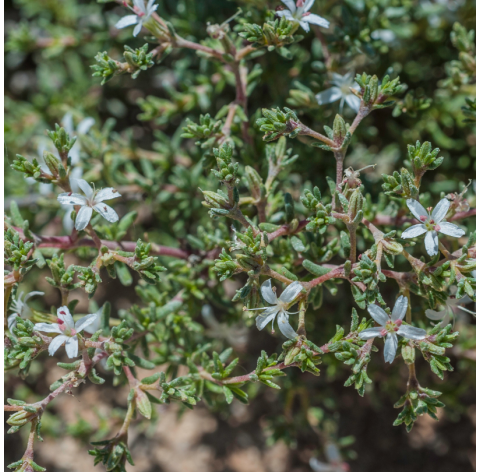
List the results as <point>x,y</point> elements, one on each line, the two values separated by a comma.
<point>240,197</point>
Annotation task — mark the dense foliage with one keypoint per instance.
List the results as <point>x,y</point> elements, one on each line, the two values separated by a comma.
<point>254,156</point>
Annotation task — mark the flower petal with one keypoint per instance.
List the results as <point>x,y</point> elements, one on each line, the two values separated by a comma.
<point>400,308</point>
<point>12,321</point>
<point>289,4</point>
<point>305,25</point>
<point>440,210</point>
<point>436,315</point>
<point>416,208</point>
<point>48,328</point>
<point>287,15</point>
<point>316,20</point>
<point>307,6</point>
<point>72,347</point>
<point>107,212</point>
<point>264,318</point>
<point>71,199</point>
<point>353,102</point>
<point>390,347</point>
<point>370,333</point>
<point>285,327</point>
<point>83,218</point>
<point>84,126</point>
<point>378,314</point>
<point>411,332</point>
<point>140,4</point>
<point>106,194</point>
<point>291,292</point>
<point>318,466</point>
<point>451,229</point>
<point>267,294</point>
<point>85,187</point>
<point>126,21</point>
<point>55,343</point>
<point>83,322</point>
<point>432,243</point>
<point>64,314</point>
<point>67,123</point>
<point>414,231</point>
<point>328,96</point>
<point>137,29</point>
<point>32,294</point>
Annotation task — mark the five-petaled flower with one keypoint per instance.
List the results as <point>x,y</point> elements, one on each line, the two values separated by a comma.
<point>341,89</point>
<point>93,200</point>
<point>431,224</point>
<point>299,13</point>
<point>280,307</point>
<point>142,13</point>
<point>391,327</point>
<point>20,308</point>
<point>67,330</point>
<point>452,305</point>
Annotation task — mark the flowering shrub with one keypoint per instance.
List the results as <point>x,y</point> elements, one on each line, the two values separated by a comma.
<point>237,213</point>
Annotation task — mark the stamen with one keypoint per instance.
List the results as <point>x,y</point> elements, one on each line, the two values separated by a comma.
<point>299,3</point>
<point>306,14</point>
<point>398,322</point>
<point>437,228</point>
<point>383,332</point>
<point>423,218</point>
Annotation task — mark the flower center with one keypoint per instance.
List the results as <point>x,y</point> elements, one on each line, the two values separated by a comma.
<point>391,327</point>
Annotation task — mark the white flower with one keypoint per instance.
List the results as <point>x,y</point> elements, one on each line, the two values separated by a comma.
<point>431,224</point>
<point>142,14</point>
<point>333,456</point>
<point>67,329</point>
<point>452,305</point>
<point>82,128</point>
<point>20,307</point>
<point>391,327</point>
<point>236,335</point>
<point>75,175</point>
<point>341,89</point>
<point>280,308</point>
<point>299,13</point>
<point>92,201</point>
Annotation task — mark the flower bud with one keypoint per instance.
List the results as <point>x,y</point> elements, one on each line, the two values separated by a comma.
<point>143,403</point>
<point>254,181</point>
<point>392,247</point>
<point>355,204</point>
<point>339,129</point>
<point>52,162</point>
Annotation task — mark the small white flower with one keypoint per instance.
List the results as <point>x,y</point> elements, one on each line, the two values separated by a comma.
<point>236,335</point>
<point>391,327</point>
<point>20,308</point>
<point>299,13</point>
<point>75,175</point>
<point>335,463</point>
<point>452,306</point>
<point>82,128</point>
<point>67,329</point>
<point>142,14</point>
<point>93,200</point>
<point>431,224</point>
<point>341,90</point>
<point>280,308</point>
